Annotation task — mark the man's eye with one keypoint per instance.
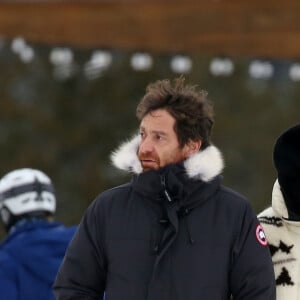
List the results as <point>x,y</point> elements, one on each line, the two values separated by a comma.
<point>159,137</point>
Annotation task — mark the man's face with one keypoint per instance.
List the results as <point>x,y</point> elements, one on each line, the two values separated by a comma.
<point>159,146</point>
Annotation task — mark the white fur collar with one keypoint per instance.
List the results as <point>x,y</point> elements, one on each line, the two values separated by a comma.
<point>204,165</point>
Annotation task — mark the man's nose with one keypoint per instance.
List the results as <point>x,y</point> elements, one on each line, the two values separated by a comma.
<point>146,145</point>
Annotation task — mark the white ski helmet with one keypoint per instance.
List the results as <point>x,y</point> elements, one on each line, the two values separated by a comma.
<point>25,192</point>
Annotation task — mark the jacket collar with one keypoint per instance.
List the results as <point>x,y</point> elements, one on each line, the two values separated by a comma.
<point>205,165</point>
<point>278,203</point>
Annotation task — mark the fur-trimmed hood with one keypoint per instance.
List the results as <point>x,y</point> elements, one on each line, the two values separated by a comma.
<point>204,165</point>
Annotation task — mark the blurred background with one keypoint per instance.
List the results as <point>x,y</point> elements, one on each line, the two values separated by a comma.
<point>72,73</point>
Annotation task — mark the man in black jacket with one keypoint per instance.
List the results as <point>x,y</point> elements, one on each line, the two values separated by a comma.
<point>173,232</point>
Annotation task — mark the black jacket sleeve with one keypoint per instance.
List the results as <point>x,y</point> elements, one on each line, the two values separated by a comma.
<point>252,275</point>
<point>82,274</point>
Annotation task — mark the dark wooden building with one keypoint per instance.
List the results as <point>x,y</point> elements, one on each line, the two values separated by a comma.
<point>229,27</point>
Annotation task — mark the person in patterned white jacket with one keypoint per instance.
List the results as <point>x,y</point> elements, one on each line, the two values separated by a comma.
<point>281,221</point>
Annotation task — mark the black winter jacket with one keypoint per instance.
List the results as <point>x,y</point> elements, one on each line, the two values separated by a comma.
<point>171,234</point>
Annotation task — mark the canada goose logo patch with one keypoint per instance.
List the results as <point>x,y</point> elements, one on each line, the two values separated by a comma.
<point>260,235</point>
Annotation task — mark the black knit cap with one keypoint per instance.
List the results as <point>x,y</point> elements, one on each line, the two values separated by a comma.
<point>286,158</point>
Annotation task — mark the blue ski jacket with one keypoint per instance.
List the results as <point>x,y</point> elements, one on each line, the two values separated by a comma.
<point>30,257</point>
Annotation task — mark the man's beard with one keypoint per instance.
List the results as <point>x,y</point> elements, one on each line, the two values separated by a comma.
<point>149,162</point>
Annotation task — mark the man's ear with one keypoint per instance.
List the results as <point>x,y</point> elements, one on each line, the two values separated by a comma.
<point>192,147</point>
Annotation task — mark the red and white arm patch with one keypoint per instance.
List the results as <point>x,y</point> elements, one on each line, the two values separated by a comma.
<point>261,236</point>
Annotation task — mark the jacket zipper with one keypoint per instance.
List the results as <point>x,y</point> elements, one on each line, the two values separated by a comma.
<point>163,183</point>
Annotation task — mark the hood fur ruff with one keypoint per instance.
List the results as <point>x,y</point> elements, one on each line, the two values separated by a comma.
<point>203,165</point>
